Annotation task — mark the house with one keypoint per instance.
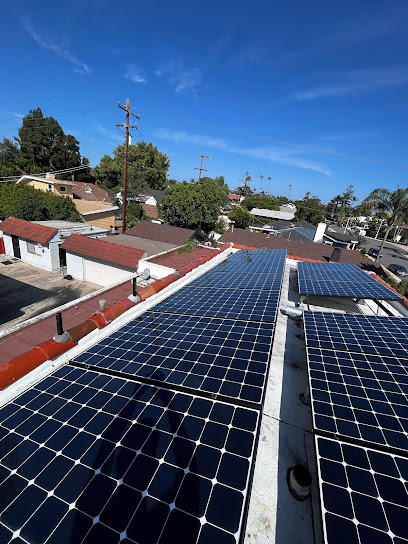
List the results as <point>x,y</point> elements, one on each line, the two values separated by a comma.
<point>177,236</point>
<point>100,262</point>
<point>99,213</point>
<point>340,237</point>
<point>235,199</point>
<point>151,247</point>
<point>38,242</point>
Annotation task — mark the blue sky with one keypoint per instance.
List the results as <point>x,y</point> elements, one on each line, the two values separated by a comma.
<point>237,81</point>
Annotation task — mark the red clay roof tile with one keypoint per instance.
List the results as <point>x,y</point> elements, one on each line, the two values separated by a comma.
<point>27,230</point>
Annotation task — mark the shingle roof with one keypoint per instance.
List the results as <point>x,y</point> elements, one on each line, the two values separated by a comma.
<point>151,247</point>
<point>150,211</point>
<point>96,193</point>
<point>103,251</point>
<point>27,230</point>
<point>161,233</point>
<point>311,250</point>
<point>86,207</point>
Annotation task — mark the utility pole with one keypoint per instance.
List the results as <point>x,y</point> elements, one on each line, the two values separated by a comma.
<point>201,166</point>
<point>125,168</point>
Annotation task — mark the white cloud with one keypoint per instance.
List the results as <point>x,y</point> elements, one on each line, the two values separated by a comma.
<point>356,82</point>
<point>110,134</point>
<point>281,156</point>
<point>183,80</point>
<point>135,74</point>
<point>59,50</point>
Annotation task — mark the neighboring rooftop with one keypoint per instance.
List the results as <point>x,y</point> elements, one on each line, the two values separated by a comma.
<point>85,207</point>
<point>308,249</point>
<point>28,230</point>
<point>90,192</point>
<point>150,211</point>
<point>162,233</point>
<point>103,251</point>
<point>49,180</point>
<point>287,214</point>
<point>178,260</point>
<point>151,247</point>
<point>66,228</point>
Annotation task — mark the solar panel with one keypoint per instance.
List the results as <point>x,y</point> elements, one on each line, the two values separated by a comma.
<point>360,397</point>
<point>333,288</point>
<point>252,267</point>
<point>379,335</point>
<point>90,458</point>
<point>327,273</point>
<point>224,280</point>
<point>214,356</point>
<point>256,255</point>
<point>248,304</point>
<point>303,265</point>
<point>363,494</point>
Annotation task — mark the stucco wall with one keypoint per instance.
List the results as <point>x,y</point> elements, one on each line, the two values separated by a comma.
<point>75,266</point>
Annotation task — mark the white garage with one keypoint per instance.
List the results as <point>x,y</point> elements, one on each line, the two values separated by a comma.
<point>100,262</point>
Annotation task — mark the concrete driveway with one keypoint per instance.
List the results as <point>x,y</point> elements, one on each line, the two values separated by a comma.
<point>27,291</point>
<point>391,253</point>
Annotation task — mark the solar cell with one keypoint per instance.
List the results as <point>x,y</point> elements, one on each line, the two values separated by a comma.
<point>248,304</point>
<point>224,357</point>
<point>360,397</point>
<point>256,255</point>
<point>251,267</point>
<point>379,335</point>
<point>131,463</point>
<point>334,288</point>
<point>224,280</point>
<point>325,266</point>
<point>363,494</point>
<point>317,274</point>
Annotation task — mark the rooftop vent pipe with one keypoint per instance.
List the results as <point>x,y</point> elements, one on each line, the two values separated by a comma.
<point>294,312</point>
<point>299,481</point>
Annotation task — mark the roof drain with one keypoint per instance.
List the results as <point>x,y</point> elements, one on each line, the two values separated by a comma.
<point>299,482</point>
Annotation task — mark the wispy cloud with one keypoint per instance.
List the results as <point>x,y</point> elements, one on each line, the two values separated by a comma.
<point>59,49</point>
<point>110,134</point>
<point>282,156</point>
<point>183,80</point>
<point>135,74</point>
<point>356,82</point>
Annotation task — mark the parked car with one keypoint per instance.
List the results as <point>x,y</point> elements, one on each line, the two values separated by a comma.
<point>398,269</point>
<point>373,251</point>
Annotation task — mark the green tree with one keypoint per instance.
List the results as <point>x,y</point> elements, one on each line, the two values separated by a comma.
<point>44,146</point>
<point>10,159</point>
<point>190,206</point>
<point>219,186</point>
<point>310,209</point>
<point>134,214</point>
<point>147,168</point>
<point>393,203</point>
<point>25,202</point>
<point>241,217</point>
<point>260,201</point>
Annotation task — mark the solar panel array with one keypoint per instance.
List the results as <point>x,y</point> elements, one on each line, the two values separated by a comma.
<point>358,377</point>
<point>340,280</point>
<point>148,437</point>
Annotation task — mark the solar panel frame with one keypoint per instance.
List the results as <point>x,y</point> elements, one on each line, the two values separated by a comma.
<point>346,289</point>
<point>363,494</point>
<point>224,280</point>
<point>226,358</point>
<point>361,398</point>
<point>378,335</point>
<point>128,461</point>
<point>238,304</point>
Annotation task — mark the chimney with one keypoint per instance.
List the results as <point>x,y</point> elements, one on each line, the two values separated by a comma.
<point>318,237</point>
<point>335,258</point>
<point>50,176</point>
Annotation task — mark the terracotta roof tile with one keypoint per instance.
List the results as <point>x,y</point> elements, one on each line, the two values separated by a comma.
<point>161,233</point>
<point>103,251</point>
<point>27,230</point>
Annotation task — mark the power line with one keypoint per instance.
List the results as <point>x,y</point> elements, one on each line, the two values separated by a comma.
<point>57,172</point>
<point>274,140</point>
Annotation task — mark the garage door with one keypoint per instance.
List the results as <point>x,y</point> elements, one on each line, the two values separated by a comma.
<point>103,274</point>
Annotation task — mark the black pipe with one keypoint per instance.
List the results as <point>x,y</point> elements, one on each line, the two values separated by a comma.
<point>60,328</point>
<point>134,287</point>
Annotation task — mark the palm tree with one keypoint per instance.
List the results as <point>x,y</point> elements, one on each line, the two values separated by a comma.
<point>393,203</point>
<point>261,178</point>
<point>268,180</point>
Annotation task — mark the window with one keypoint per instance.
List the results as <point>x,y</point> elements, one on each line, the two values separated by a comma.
<point>49,187</point>
<point>63,189</point>
<point>31,248</point>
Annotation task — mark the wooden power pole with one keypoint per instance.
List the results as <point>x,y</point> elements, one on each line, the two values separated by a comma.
<point>125,168</point>
<point>201,166</point>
